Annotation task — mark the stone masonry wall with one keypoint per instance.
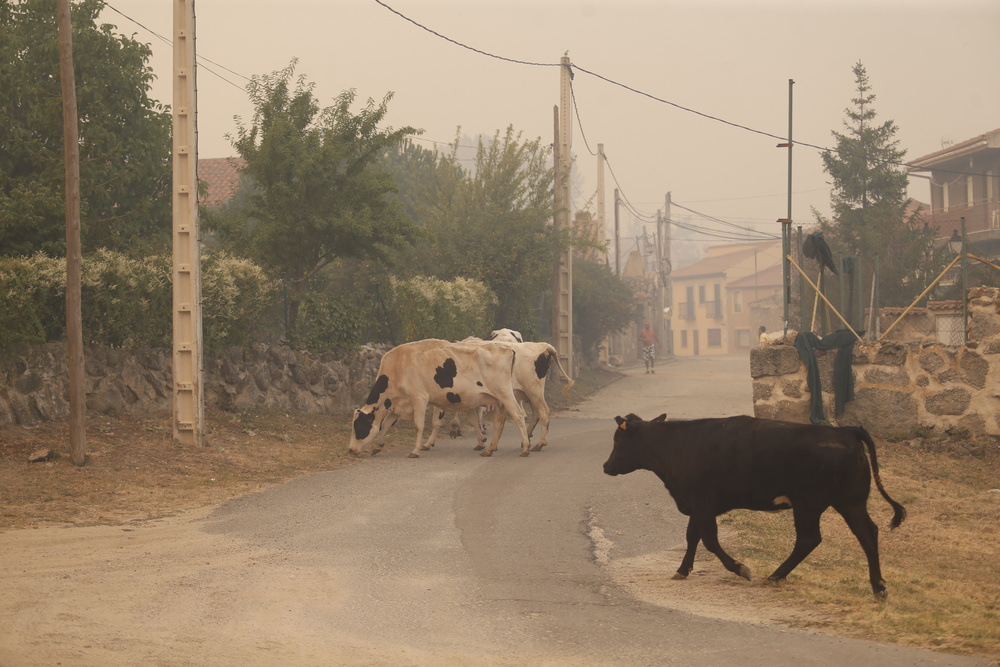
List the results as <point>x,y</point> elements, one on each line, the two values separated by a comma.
<point>901,389</point>
<point>34,386</point>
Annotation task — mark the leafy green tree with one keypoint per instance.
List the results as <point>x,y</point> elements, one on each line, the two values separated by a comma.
<point>602,304</point>
<point>125,147</point>
<point>869,199</point>
<point>320,190</point>
<point>490,223</point>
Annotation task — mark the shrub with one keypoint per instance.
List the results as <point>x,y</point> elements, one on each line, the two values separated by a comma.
<point>127,301</point>
<point>235,295</point>
<point>432,308</point>
<point>329,322</point>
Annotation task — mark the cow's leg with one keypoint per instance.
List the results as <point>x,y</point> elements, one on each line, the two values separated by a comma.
<point>437,418</point>
<point>499,416</point>
<point>481,430</point>
<point>419,414</point>
<point>861,524</point>
<point>540,413</point>
<point>456,426</point>
<point>807,538</point>
<point>709,530</point>
<point>517,414</point>
<point>387,423</point>
<point>693,537</point>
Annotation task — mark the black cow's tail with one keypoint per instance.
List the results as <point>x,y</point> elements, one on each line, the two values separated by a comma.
<point>898,511</point>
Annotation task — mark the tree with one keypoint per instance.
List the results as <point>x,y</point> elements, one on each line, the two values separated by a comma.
<point>491,223</point>
<point>869,199</point>
<point>602,304</point>
<point>319,191</point>
<point>124,135</point>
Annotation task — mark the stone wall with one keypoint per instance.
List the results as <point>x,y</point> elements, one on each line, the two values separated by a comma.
<point>901,389</point>
<point>34,387</point>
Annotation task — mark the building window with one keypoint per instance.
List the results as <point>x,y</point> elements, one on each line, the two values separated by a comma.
<point>737,301</point>
<point>701,294</point>
<point>684,338</point>
<point>743,338</point>
<point>715,337</point>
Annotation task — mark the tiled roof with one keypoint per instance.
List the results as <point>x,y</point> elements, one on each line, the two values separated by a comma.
<point>767,277</point>
<point>222,174</point>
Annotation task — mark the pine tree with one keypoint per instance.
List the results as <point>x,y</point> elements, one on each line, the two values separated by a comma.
<point>869,199</point>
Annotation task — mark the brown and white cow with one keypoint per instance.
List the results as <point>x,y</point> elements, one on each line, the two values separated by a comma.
<point>530,370</point>
<point>531,367</point>
<point>712,466</point>
<point>449,376</point>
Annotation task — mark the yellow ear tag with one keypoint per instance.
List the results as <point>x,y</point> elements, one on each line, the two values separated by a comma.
<point>623,425</point>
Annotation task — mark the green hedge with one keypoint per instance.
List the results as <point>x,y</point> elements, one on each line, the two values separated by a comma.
<point>432,308</point>
<point>127,302</point>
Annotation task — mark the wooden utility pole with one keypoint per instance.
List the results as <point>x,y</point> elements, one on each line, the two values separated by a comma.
<point>618,252</point>
<point>189,393</point>
<point>562,297</point>
<point>74,261</point>
<point>601,217</point>
<point>667,266</point>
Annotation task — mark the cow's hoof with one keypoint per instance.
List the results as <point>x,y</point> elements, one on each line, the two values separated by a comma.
<point>425,448</point>
<point>414,456</point>
<point>478,447</point>
<point>525,452</point>
<point>538,447</point>
<point>744,571</point>
<point>486,454</point>
<point>775,580</point>
<point>678,576</point>
<point>881,595</point>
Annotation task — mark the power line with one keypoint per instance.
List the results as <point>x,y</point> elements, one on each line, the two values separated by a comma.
<point>170,43</point>
<point>647,95</point>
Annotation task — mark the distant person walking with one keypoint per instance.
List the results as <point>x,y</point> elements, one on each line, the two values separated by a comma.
<point>763,335</point>
<point>649,341</point>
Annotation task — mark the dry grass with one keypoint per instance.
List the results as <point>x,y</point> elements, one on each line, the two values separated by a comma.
<point>136,472</point>
<point>942,566</point>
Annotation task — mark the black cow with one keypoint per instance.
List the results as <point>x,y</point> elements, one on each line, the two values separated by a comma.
<point>712,466</point>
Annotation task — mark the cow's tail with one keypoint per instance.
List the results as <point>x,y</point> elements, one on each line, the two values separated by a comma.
<point>898,511</point>
<point>554,355</point>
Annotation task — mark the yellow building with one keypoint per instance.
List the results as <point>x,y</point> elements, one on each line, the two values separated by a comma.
<point>712,297</point>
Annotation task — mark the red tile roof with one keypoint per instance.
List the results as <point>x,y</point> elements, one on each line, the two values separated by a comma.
<point>222,174</point>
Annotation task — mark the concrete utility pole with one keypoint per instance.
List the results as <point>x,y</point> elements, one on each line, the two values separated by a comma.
<point>562,296</point>
<point>189,391</point>
<point>74,261</point>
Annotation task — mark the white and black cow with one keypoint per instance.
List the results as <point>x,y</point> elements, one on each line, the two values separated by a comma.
<point>712,466</point>
<point>449,376</point>
<point>506,335</point>
<point>531,367</point>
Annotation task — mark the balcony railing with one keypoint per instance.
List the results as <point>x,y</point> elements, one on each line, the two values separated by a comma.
<point>713,310</point>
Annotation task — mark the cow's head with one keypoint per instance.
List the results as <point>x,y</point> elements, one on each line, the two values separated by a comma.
<point>367,420</point>
<point>506,336</point>
<point>365,425</point>
<point>629,445</point>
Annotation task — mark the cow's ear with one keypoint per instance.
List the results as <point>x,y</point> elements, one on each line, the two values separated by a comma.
<point>661,418</point>
<point>621,422</point>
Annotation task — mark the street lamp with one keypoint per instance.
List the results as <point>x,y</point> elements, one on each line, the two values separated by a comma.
<point>955,242</point>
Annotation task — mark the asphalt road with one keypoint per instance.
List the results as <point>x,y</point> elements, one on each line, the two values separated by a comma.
<point>456,559</point>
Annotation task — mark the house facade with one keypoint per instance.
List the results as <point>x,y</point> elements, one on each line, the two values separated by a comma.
<point>965,182</point>
<point>713,299</point>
